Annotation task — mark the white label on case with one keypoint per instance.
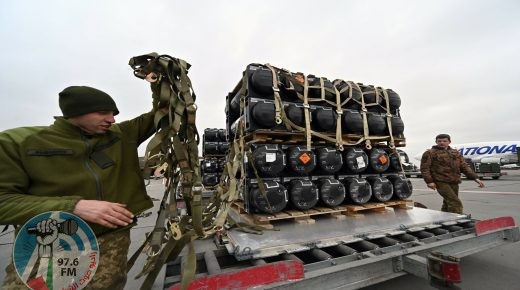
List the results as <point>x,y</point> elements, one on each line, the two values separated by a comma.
<point>360,162</point>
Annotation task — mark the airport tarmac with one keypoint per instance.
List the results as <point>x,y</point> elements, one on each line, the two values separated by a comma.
<point>496,268</point>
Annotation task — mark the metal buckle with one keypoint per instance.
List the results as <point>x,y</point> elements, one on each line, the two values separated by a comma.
<point>175,231</point>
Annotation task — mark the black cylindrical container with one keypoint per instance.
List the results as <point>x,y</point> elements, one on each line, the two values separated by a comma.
<point>221,164</point>
<point>332,192</point>
<point>295,114</point>
<point>210,179</point>
<point>234,105</point>
<point>397,125</point>
<point>315,91</point>
<point>301,161</point>
<point>324,119</point>
<point>402,187</point>
<point>358,190</point>
<point>353,92</point>
<point>223,147</point>
<point>263,114</point>
<point>394,100</point>
<point>376,124</point>
<point>269,160</point>
<point>292,84</point>
<point>303,194</point>
<point>395,160</point>
<point>276,194</point>
<point>329,159</point>
<point>209,166</point>
<point>210,148</point>
<point>262,81</point>
<point>369,94</point>
<point>382,188</point>
<point>378,160</point>
<point>352,122</point>
<point>222,136</point>
<point>355,160</point>
<point>234,128</point>
<point>372,102</point>
<point>210,135</point>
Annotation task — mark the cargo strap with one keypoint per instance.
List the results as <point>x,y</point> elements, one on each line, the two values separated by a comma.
<point>261,185</point>
<point>280,115</point>
<point>368,144</point>
<point>174,150</point>
<point>350,87</point>
<point>307,113</point>
<point>339,111</point>
<point>391,143</point>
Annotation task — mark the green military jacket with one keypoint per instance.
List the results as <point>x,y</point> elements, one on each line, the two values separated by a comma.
<point>51,168</point>
<point>444,165</point>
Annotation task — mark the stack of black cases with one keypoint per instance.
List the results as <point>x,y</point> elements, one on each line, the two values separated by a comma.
<point>214,151</point>
<point>297,177</point>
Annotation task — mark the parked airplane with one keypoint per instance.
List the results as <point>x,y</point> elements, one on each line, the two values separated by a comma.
<point>505,151</point>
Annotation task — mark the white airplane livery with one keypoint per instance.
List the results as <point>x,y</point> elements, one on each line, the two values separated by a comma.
<point>505,151</point>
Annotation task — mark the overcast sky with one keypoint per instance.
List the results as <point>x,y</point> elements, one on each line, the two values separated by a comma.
<point>454,63</point>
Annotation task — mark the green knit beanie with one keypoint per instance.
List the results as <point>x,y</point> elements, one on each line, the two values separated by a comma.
<point>79,100</point>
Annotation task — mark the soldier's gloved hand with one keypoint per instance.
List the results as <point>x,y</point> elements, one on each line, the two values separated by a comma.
<point>432,185</point>
<point>108,214</point>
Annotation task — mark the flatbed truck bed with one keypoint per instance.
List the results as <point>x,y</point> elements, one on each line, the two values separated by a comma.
<point>348,253</point>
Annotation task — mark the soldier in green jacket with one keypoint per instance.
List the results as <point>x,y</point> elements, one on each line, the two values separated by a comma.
<point>441,167</point>
<point>85,164</point>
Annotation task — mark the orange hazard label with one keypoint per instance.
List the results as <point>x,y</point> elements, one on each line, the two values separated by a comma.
<point>305,158</point>
<point>383,159</point>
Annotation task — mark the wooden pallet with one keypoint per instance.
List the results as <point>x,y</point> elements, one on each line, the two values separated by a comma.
<point>400,204</point>
<point>297,216</point>
<point>262,136</point>
<point>297,137</point>
<point>307,216</point>
<point>358,210</point>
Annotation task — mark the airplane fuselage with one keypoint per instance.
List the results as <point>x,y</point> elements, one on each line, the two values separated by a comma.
<point>505,151</point>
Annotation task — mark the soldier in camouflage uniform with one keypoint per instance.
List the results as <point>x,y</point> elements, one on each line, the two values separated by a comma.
<point>441,167</point>
<point>84,164</point>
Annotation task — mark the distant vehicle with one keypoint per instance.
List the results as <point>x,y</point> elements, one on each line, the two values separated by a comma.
<point>504,151</point>
<point>408,167</point>
<point>486,167</point>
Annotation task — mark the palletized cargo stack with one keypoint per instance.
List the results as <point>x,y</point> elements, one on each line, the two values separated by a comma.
<point>315,142</point>
<point>214,150</point>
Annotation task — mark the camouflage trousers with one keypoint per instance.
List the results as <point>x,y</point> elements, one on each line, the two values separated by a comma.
<point>111,271</point>
<point>450,194</point>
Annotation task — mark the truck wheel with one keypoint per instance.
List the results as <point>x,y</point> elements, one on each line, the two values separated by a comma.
<point>496,177</point>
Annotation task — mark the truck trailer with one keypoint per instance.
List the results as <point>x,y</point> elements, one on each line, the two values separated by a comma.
<point>344,251</point>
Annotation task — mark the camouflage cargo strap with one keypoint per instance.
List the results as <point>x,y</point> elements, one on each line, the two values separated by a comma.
<point>338,140</point>
<point>174,149</point>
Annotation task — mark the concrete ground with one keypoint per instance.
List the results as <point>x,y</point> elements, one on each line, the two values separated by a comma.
<point>496,268</point>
